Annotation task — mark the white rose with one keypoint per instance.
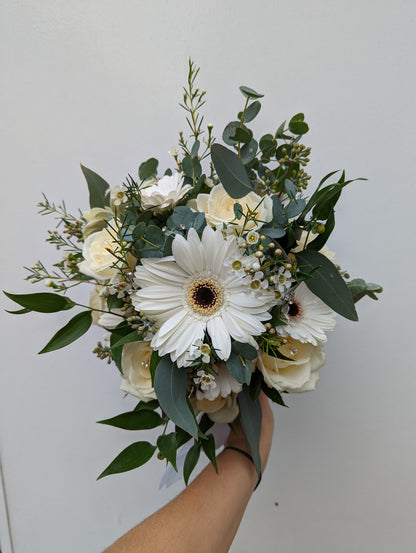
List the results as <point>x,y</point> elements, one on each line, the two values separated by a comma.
<point>299,375</point>
<point>221,409</point>
<point>136,378</point>
<point>98,260</point>
<point>164,193</point>
<point>97,301</point>
<point>225,384</point>
<point>218,207</point>
<point>96,219</point>
<point>305,239</point>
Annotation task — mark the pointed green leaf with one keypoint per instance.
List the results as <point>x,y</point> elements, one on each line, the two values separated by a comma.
<point>97,187</point>
<point>131,337</point>
<point>19,311</point>
<point>154,362</point>
<point>255,384</point>
<point>209,449</point>
<point>167,447</point>
<point>320,241</point>
<point>191,460</point>
<point>249,92</point>
<point>135,455</point>
<point>147,405</point>
<point>170,387</point>
<point>73,330</point>
<point>135,420</point>
<point>250,417</point>
<point>230,171</point>
<point>273,394</point>
<point>43,302</point>
<point>327,283</point>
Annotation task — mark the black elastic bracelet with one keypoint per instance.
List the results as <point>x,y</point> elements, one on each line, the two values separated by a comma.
<point>248,457</point>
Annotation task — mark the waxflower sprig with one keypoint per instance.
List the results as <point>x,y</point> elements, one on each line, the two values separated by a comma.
<point>212,282</point>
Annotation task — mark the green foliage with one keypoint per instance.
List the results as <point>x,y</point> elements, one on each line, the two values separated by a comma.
<point>73,330</point>
<point>184,218</point>
<point>42,302</point>
<point>245,350</point>
<point>191,460</point>
<point>250,113</point>
<point>170,384</point>
<point>249,92</point>
<point>209,449</point>
<point>123,329</point>
<point>360,288</point>
<point>167,447</point>
<point>148,169</point>
<point>143,419</point>
<point>273,394</point>
<point>250,418</point>
<point>231,171</point>
<point>134,456</point>
<point>239,368</point>
<point>127,339</point>
<point>147,405</point>
<point>297,124</point>
<point>97,187</point>
<point>327,283</point>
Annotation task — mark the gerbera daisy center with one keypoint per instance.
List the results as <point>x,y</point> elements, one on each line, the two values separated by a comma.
<point>205,296</point>
<point>295,310</point>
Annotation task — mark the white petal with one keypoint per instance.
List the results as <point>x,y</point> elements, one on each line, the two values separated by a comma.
<point>220,337</point>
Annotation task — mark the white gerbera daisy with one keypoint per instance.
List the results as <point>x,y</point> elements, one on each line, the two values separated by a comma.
<point>306,317</point>
<point>194,291</point>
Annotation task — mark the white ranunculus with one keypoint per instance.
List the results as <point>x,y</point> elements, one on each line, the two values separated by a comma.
<point>218,207</point>
<point>135,363</point>
<point>95,220</point>
<point>221,409</point>
<point>164,193</point>
<point>299,375</point>
<point>98,257</point>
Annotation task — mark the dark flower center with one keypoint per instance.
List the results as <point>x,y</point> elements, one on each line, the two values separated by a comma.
<point>205,296</point>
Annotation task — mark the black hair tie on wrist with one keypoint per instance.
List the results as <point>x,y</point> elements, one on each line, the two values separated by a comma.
<point>248,457</point>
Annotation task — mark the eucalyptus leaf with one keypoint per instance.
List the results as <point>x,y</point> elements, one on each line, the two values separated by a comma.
<point>133,456</point>
<point>148,169</point>
<point>170,384</point>
<point>327,283</point>
<point>230,171</point>
<point>247,351</point>
<point>273,232</point>
<point>42,302</point>
<point>195,148</point>
<point>250,417</point>
<point>229,132</point>
<point>73,330</point>
<point>242,135</point>
<point>249,92</point>
<point>279,216</point>
<point>239,368</point>
<point>251,112</point>
<point>97,187</point>
<point>238,211</point>
<point>298,127</point>
<point>295,208</point>
<point>135,420</point>
<point>248,152</point>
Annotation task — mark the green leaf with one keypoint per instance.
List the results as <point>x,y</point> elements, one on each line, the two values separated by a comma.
<point>147,405</point>
<point>195,148</point>
<point>255,384</point>
<point>279,216</point>
<point>295,207</point>
<point>238,211</point>
<point>273,394</point>
<point>148,169</point>
<point>135,455</point>
<point>167,447</point>
<point>205,423</point>
<point>229,132</point>
<point>114,302</point>
<point>43,302</point>
<point>171,389</point>
<point>19,311</point>
<point>268,145</point>
<point>121,330</point>
<point>249,92</point>
<point>251,112</point>
<point>320,241</point>
<point>139,230</point>
<point>250,417</point>
<point>247,351</point>
<point>209,449</point>
<point>181,436</point>
<point>327,283</point>
<point>298,117</point>
<point>127,339</point>
<point>230,171</point>
<point>273,232</point>
<point>73,330</point>
<point>298,127</point>
<point>191,460</point>
<point>242,135</point>
<point>97,187</point>
<point>135,420</point>
<point>248,152</point>
<point>154,362</point>
<point>360,288</point>
<point>239,368</point>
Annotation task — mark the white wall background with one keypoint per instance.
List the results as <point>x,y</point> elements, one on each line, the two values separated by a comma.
<point>98,82</point>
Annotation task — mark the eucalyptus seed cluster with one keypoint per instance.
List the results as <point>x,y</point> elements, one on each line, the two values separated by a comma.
<point>294,157</point>
<point>103,352</point>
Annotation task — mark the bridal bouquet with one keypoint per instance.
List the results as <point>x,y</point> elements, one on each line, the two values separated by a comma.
<point>211,280</point>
